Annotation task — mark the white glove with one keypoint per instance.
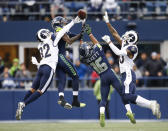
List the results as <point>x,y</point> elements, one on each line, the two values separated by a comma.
<point>105,17</point>
<point>77,20</point>
<point>34,61</point>
<point>106,38</point>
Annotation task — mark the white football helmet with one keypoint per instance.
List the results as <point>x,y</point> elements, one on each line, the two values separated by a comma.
<point>131,37</point>
<point>43,35</point>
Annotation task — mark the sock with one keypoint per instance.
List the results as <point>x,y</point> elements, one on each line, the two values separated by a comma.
<point>29,93</point>
<point>75,93</point>
<point>32,98</point>
<point>143,102</point>
<point>102,110</point>
<point>61,94</point>
<point>75,96</point>
<point>128,107</point>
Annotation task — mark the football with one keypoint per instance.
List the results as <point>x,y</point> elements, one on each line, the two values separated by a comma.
<point>82,14</point>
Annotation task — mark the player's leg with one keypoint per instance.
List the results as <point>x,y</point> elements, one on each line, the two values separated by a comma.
<point>127,94</point>
<point>71,71</point>
<point>107,111</point>
<point>45,82</point>
<point>35,86</point>
<point>136,99</point>
<point>105,88</point>
<point>150,104</point>
<point>61,75</point>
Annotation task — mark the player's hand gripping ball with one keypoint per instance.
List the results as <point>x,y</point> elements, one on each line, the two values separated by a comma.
<point>82,14</point>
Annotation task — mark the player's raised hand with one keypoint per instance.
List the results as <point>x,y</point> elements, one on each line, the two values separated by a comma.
<point>105,17</point>
<point>106,38</point>
<point>34,61</point>
<point>77,20</point>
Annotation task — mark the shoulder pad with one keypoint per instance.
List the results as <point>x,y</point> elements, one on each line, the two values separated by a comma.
<point>132,49</point>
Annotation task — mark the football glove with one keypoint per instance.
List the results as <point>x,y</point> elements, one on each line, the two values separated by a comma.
<point>106,38</point>
<point>105,17</point>
<point>34,61</point>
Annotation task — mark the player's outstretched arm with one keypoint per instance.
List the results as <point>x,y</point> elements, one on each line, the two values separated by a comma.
<point>71,40</point>
<point>66,29</point>
<point>117,51</point>
<point>91,36</point>
<point>111,29</point>
<point>77,37</point>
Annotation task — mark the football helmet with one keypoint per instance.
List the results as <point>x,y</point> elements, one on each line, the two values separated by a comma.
<point>131,37</point>
<point>58,21</point>
<point>43,35</point>
<point>85,50</point>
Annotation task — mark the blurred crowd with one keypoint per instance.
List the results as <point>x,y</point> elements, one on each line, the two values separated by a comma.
<point>48,9</point>
<point>150,72</point>
<point>15,76</point>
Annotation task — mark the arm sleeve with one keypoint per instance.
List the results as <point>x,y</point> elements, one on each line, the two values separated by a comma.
<point>116,50</point>
<point>62,32</point>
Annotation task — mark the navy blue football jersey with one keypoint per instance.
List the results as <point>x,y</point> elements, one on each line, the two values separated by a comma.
<point>62,44</point>
<point>98,60</point>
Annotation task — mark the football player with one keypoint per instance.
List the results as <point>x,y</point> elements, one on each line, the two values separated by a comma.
<point>93,55</point>
<point>65,66</point>
<point>128,53</point>
<point>48,48</point>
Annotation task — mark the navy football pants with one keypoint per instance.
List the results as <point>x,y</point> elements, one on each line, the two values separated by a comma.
<point>43,78</point>
<point>109,78</point>
<point>129,87</point>
<point>64,67</point>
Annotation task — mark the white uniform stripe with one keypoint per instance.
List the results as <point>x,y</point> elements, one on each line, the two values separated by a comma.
<point>127,80</point>
<point>48,81</point>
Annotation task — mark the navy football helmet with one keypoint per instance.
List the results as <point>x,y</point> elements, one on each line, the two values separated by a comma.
<point>85,50</point>
<point>43,34</point>
<point>58,21</point>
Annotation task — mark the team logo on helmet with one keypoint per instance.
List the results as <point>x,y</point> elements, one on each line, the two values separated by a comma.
<point>131,37</point>
<point>85,50</point>
<point>58,21</point>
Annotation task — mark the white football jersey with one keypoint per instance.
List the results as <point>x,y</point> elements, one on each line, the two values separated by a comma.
<point>49,53</point>
<point>125,62</point>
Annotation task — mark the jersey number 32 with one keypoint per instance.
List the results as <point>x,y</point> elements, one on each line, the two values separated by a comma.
<point>44,51</point>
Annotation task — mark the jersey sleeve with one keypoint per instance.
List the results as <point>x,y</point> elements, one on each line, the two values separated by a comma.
<point>62,32</point>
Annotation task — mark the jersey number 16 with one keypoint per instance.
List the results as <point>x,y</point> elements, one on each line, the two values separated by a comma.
<point>98,66</point>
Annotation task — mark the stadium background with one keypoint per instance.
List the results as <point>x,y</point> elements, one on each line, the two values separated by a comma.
<point>19,22</point>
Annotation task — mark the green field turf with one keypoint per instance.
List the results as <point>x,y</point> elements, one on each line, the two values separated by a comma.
<point>93,126</point>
